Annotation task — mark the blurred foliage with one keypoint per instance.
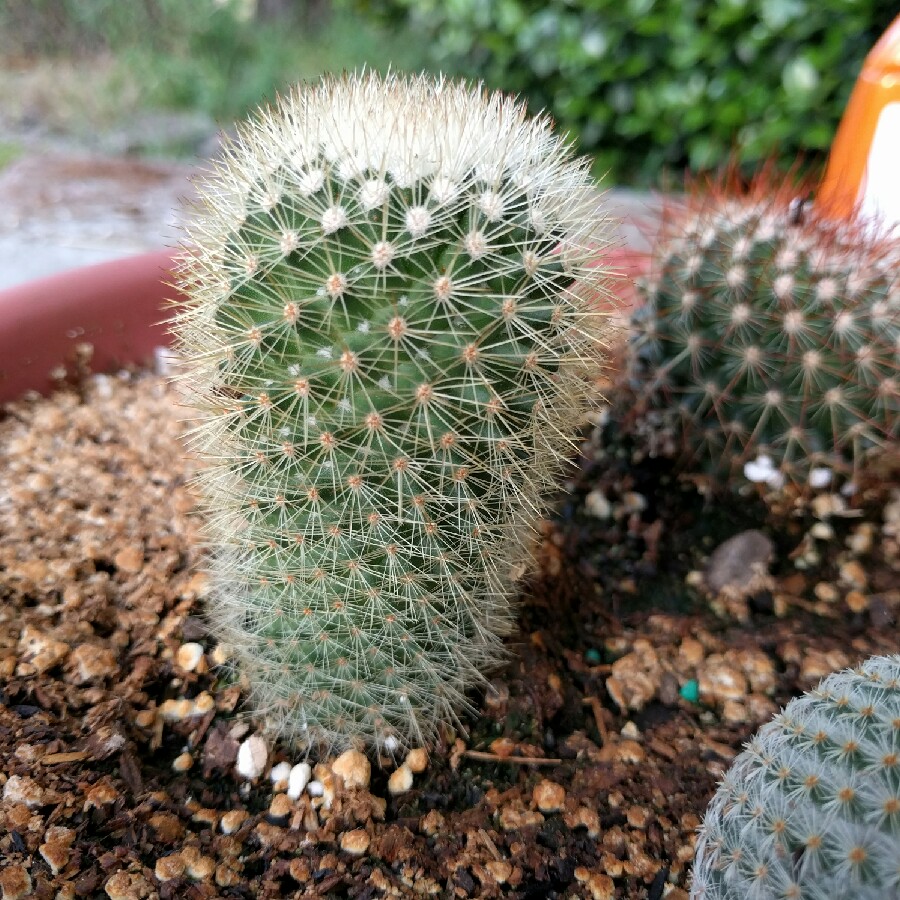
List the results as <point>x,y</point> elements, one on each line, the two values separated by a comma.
<point>223,57</point>
<point>9,152</point>
<point>653,85</point>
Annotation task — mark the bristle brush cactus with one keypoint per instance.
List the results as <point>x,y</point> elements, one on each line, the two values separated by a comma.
<point>767,340</point>
<point>393,309</point>
<point>811,809</point>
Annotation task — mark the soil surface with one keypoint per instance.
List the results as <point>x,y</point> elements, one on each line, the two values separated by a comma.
<point>585,773</point>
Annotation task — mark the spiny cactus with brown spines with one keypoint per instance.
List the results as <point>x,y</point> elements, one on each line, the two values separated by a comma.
<point>811,809</point>
<point>391,333</point>
<point>768,340</point>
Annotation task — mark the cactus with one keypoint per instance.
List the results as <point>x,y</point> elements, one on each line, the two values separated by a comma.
<point>768,341</point>
<point>392,313</point>
<point>811,809</point>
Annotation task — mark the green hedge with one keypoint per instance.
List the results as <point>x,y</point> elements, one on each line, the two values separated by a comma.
<point>654,85</point>
<point>222,57</point>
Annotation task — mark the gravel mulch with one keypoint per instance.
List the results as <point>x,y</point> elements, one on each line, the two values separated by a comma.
<point>584,774</point>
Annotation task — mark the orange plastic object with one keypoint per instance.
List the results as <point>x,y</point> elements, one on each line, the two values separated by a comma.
<point>862,175</point>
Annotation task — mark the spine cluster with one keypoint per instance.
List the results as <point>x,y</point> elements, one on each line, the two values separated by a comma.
<point>388,339</point>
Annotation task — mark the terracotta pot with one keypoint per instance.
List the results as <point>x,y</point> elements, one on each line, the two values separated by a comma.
<point>118,308</point>
<point>629,264</point>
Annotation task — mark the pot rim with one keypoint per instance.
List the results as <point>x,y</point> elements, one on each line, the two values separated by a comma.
<point>120,310</point>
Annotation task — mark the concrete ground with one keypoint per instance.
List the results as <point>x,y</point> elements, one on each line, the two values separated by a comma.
<point>60,211</point>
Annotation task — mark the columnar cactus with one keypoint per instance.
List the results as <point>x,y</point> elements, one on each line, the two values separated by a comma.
<point>393,310</point>
<point>768,340</point>
<point>811,809</point>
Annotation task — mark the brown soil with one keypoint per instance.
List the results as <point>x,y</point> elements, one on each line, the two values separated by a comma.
<point>584,775</point>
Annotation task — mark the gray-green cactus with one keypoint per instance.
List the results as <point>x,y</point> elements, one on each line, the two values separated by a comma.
<point>811,809</point>
<point>768,341</point>
<point>391,329</point>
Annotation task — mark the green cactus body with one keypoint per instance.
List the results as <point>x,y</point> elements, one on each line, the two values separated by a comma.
<point>811,809</point>
<point>770,341</point>
<point>391,316</point>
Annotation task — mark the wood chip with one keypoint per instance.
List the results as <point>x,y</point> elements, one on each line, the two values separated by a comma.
<point>482,756</point>
<point>53,759</point>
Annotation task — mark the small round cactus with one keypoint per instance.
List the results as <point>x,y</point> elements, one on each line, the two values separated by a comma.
<point>811,809</point>
<point>391,330</point>
<point>768,340</point>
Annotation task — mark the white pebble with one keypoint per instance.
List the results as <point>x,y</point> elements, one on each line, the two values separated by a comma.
<point>401,780</point>
<point>188,656</point>
<point>281,772</point>
<point>756,471</point>
<point>597,505</point>
<point>315,789</point>
<point>762,471</point>
<point>819,477</point>
<point>630,731</point>
<point>252,756</point>
<point>298,779</point>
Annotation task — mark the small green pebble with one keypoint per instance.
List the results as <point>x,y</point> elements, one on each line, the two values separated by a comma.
<point>592,656</point>
<point>690,690</point>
